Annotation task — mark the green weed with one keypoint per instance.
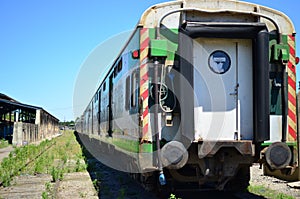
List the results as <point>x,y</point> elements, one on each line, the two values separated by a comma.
<point>39,165</point>
<point>122,193</point>
<point>6,179</point>
<point>45,195</point>
<point>96,185</point>
<point>79,167</point>
<point>173,196</point>
<point>68,143</point>
<point>48,186</point>
<point>48,191</point>
<point>268,193</point>
<point>55,157</point>
<point>82,194</point>
<point>57,174</point>
<point>3,143</point>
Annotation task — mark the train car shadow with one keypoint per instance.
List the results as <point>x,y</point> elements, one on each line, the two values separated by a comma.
<point>214,194</point>
<point>112,183</point>
<point>109,182</point>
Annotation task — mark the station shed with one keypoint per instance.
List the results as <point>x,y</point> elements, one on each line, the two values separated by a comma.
<point>23,124</point>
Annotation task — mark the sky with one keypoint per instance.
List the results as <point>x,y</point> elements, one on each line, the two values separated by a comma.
<point>45,44</point>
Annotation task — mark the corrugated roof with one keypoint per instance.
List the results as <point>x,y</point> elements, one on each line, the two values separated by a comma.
<point>8,104</point>
<point>5,97</point>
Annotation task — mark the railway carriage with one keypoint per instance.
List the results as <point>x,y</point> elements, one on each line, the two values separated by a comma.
<point>201,90</point>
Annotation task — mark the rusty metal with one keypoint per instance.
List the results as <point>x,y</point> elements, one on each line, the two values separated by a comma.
<point>210,148</point>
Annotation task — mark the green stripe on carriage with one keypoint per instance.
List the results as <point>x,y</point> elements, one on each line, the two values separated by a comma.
<point>284,39</point>
<point>288,143</point>
<point>128,145</point>
<point>146,148</point>
<point>152,33</point>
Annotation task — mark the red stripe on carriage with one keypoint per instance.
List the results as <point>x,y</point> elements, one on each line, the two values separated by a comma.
<point>146,112</point>
<point>292,83</point>
<point>292,50</point>
<point>292,67</point>
<point>292,99</point>
<point>143,81</point>
<point>292,132</point>
<point>292,115</point>
<point>292,37</point>
<point>145,77</point>
<point>145,44</point>
<point>143,30</point>
<point>145,94</point>
<point>145,129</point>
<point>143,65</point>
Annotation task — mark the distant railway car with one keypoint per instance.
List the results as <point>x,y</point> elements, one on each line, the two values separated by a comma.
<point>201,90</point>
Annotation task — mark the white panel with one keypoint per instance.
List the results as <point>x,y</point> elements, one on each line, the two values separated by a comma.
<point>275,128</point>
<point>219,113</point>
<point>214,125</point>
<point>245,89</point>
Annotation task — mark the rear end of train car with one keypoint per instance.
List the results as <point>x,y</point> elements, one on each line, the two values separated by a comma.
<point>217,85</point>
<point>201,90</point>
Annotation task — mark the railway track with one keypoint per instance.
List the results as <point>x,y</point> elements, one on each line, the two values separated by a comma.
<point>52,170</point>
<point>31,160</point>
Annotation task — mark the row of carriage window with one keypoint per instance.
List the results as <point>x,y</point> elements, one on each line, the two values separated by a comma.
<point>131,87</point>
<point>116,71</point>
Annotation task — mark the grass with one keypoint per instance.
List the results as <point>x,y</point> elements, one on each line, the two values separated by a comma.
<point>57,174</point>
<point>19,159</point>
<point>45,195</point>
<point>3,143</point>
<point>173,196</point>
<point>82,194</point>
<point>48,193</point>
<point>96,185</point>
<point>64,155</point>
<point>56,157</point>
<point>122,193</point>
<point>267,193</point>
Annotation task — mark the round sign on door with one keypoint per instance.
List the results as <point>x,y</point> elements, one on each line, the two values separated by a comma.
<point>219,62</point>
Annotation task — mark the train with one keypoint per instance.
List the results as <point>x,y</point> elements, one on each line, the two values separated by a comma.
<point>200,92</point>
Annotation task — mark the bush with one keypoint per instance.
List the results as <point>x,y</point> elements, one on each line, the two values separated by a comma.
<point>3,143</point>
<point>57,174</point>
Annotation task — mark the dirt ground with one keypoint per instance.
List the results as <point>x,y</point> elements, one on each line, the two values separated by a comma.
<point>5,152</point>
<point>257,178</point>
<point>73,185</point>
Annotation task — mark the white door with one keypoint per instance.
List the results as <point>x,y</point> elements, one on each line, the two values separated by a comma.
<point>223,89</point>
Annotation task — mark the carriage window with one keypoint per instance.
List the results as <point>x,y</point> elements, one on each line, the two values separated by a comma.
<point>96,98</point>
<point>104,86</point>
<point>120,65</point>
<point>127,95</point>
<point>115,71</point>
<point>133,89</point>
<point>275,93</point>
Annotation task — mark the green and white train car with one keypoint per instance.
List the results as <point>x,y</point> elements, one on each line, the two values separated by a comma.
<point>201,91</point>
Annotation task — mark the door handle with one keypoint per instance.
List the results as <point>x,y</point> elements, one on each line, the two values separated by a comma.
<point>235,93</point>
